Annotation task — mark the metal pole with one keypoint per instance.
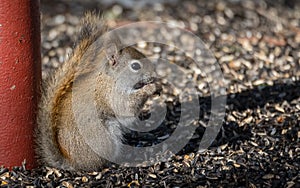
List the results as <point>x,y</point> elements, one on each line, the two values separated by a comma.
<point>20,74</point>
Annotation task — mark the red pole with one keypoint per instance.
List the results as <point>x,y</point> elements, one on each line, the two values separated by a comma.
<point>20,74</point>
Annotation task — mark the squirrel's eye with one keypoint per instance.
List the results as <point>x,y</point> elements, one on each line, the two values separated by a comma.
<point>135,65</point>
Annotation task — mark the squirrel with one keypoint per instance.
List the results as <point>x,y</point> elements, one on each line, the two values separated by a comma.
<point>112,82</point>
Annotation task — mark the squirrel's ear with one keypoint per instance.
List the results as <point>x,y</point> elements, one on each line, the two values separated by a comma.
<point>112,53</point>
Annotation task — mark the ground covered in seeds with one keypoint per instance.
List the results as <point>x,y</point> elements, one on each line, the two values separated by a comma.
<point>257,45</point>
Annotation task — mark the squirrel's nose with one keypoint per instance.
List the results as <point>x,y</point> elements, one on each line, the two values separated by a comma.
<point>151,75</point>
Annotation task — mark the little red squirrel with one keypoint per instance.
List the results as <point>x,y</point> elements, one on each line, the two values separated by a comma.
<point>97,77</point>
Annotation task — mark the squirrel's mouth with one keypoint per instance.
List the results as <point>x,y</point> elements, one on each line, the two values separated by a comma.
<point>143,83</point>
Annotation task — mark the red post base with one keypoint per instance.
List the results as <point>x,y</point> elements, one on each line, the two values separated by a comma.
<point>20,74</point>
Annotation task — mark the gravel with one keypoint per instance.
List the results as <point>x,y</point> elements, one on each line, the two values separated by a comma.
<point>257,45</point>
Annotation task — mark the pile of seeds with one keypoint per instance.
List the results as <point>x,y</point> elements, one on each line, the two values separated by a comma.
<point>256,44</point>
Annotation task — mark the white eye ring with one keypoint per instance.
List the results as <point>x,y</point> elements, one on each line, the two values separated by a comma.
<point>135,65</point>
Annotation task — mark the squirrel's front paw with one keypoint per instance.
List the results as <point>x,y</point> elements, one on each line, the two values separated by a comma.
<point>153,88</point>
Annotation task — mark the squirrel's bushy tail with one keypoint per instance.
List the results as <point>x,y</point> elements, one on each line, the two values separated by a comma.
<point>58,84</point>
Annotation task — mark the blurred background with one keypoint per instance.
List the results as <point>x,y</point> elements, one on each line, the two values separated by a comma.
<point>257,45</point>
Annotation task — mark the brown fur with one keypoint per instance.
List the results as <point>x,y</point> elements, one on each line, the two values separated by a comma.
<point>62,121</point>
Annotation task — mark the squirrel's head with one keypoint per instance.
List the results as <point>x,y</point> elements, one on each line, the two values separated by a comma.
<point>135,79</point>
<point>131,69</point>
